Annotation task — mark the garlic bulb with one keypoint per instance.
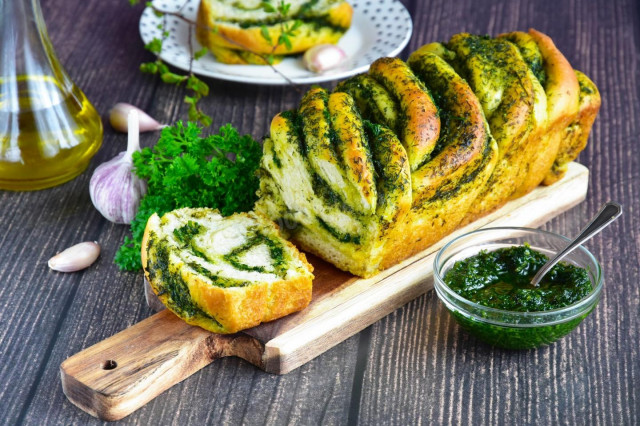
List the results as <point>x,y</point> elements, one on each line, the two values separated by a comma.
<point>118,117</point>
<point>323,57</point>
<point>75,257</point>
<point>115,190</point>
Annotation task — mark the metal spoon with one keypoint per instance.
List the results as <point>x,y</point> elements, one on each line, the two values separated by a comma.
<point>607,214</point>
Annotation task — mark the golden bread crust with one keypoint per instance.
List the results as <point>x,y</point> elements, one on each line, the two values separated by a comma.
<point>241,308</point>
<point>540,147</point>
<point>562,87</point>
<point>240,57</point>
<point>468,142</point>
<point>393,177</point>
<point>341,15</point>
<point>372,99</point>
<point>562,92</point>
<point>575,136</point>
<point>421,127</point>
<point>351,144</point>
<point>405,221</point>
<point>418,230</point>
<point>503,83</point>
<point>470,151</point>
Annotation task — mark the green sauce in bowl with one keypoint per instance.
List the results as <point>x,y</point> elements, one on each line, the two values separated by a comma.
<point>483,278</point>
<point>501,279</point>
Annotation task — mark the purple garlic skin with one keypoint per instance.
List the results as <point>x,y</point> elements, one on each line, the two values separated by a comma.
<point>115,191</point>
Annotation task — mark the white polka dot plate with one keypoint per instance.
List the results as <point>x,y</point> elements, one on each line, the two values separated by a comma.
<point>379,28</point>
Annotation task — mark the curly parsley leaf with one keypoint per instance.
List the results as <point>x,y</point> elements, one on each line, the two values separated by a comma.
<point>185,169</point>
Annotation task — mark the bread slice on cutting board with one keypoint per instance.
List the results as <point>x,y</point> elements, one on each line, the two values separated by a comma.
<point>224,274</point>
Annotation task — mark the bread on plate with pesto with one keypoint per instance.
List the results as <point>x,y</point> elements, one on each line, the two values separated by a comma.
<point>244,31</point>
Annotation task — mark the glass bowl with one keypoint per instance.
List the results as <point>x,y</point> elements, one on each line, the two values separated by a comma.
<point>511,329</point>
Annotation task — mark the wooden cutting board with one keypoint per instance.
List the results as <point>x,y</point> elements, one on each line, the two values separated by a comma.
<point>113,378</point>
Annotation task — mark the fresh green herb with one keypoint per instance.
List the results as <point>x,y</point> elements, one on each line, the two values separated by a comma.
<point>185,169</point>
<point>197,88</point>
<point>287,31</point>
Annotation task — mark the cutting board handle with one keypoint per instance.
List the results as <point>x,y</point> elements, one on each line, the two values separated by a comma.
<point>115,377</point>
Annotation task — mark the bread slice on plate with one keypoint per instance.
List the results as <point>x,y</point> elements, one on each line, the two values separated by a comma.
<point>227,27</point>
<point>224,274</point>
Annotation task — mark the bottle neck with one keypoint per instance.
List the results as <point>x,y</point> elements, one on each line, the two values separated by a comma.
<point>26,49</point>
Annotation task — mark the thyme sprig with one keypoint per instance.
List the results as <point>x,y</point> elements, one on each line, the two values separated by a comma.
<point>197,88</point>
<point>287,32</point>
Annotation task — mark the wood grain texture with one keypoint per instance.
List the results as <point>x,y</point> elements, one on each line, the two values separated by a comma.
<point>117,376</point>
<point>415,366</point>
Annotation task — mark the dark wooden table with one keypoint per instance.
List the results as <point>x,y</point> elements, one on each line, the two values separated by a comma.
<point>414,366</point>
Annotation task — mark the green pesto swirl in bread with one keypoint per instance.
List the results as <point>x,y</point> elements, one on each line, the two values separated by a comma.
<point>224,274</point>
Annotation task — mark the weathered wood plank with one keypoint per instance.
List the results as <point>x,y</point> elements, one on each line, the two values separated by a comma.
<point>102,55</point>
<point>36,301</point>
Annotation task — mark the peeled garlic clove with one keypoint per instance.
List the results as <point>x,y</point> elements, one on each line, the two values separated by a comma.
<point>114,189</point>
<point>118,118</point>
<point>76,257</point>
<point>323,57</point>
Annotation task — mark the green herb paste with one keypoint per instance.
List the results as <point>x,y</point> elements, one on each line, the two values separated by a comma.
<point>501,279</point>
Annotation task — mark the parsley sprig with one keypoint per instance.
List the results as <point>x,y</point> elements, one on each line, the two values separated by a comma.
<point>185,169</point>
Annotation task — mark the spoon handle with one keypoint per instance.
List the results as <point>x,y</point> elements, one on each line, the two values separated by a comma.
<point>607,214</point>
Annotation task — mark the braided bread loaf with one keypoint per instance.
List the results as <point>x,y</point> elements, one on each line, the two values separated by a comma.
<point>395,159</point>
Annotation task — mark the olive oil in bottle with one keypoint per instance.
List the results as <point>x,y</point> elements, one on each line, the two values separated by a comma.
<point>48,129</point>
<point>47,136</point>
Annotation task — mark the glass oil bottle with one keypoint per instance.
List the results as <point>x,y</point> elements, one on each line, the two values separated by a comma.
<point>48,128</point>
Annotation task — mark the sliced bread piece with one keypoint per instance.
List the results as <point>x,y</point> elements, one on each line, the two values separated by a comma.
<point>224,274</point>
<point>245,25</point>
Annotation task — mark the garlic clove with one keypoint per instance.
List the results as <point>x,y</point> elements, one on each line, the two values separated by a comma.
<point>118,118</point>
<point>75,258</point>
<point>114,189</point>
<point>323,57</point>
